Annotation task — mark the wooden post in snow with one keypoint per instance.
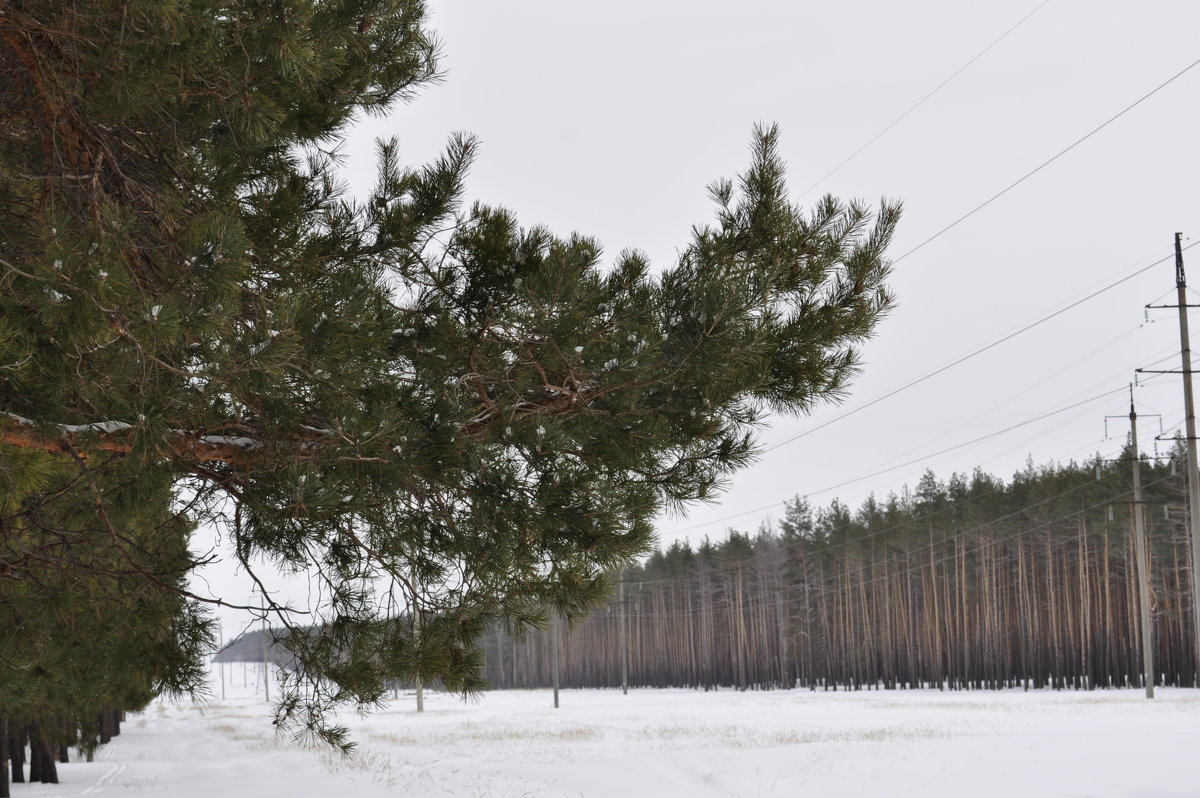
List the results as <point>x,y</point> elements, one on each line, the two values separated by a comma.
<point>624,640</point>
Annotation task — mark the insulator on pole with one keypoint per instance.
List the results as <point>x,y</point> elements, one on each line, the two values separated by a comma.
<point>1097,470</point>
<point>1110,513</point>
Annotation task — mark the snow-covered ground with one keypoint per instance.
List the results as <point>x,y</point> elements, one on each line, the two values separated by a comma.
<point>667,743</point>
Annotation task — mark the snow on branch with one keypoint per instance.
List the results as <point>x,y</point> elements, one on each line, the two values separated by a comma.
<point>117,437</point>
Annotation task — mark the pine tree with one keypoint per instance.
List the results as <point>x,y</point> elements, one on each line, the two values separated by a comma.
<point>196,324</point>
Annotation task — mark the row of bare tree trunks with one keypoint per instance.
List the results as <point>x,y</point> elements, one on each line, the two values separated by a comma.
<point>44,753</point>
<point>939,590</point>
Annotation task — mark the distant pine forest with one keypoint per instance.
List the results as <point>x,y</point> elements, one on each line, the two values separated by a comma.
<point>968,583</point>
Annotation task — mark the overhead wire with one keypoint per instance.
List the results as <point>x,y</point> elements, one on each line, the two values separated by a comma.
<point>1049,414</point>
<point>1087,406</point>
<point>1050,160</point>
<point>861,478</point>
<point>972,442</point>
<point>1029,326</point>
<point>922,101</point>
<point>1058,372</point>
<point>1121,389</point>
<point>973,354</point>
<point>929,548</point>
<point>1009,336</point>
<point>960,505</point>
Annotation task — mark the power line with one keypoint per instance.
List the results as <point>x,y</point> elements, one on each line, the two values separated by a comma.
<point>1058,372</point>
<point>922,101</point>
<point>1080,403</point>
<point>968,534</point>
<point>971,213</point>
<point>973,354</point>
<point>1027,422</point>
<point>1005,338</point>
<point>960,504</point>
<point>1046,163</point>
<point>963,533</point>
<point>981,438</point>
<point>1121,375</point>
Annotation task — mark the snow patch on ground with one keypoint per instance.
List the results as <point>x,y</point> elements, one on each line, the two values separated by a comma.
<point>670,743</point>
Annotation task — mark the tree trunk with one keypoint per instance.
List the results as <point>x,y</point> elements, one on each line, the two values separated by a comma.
<point>16,754</point>
<point>49,774</point>
<point>4,757</point>
<point>105,722</point>
<point>35,757</point>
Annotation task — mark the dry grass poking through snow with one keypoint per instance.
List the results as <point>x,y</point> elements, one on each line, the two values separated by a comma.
<point>678,743</point>
<point>243,734</point>
<point>381,769</point>
<point>468,733</point>
<point>727,735</point>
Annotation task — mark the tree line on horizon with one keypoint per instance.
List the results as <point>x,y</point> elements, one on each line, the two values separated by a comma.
<point>967,583</point>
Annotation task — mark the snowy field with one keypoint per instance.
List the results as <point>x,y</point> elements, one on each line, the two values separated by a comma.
<point>667,743</point>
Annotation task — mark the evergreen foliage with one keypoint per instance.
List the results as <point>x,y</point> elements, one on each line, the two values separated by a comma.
<point>437,412</point>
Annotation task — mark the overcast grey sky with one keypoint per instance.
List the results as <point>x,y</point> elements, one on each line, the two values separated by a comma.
<point>610,119</point>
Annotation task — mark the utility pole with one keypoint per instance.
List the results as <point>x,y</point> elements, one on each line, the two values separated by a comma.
<point>266,667</point>
<point>416,611</point>
<point>624,641</point>
<point>220,664</point>
<point>1193,470</point>
<point>554,654</point>
<point>1143,558</point>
